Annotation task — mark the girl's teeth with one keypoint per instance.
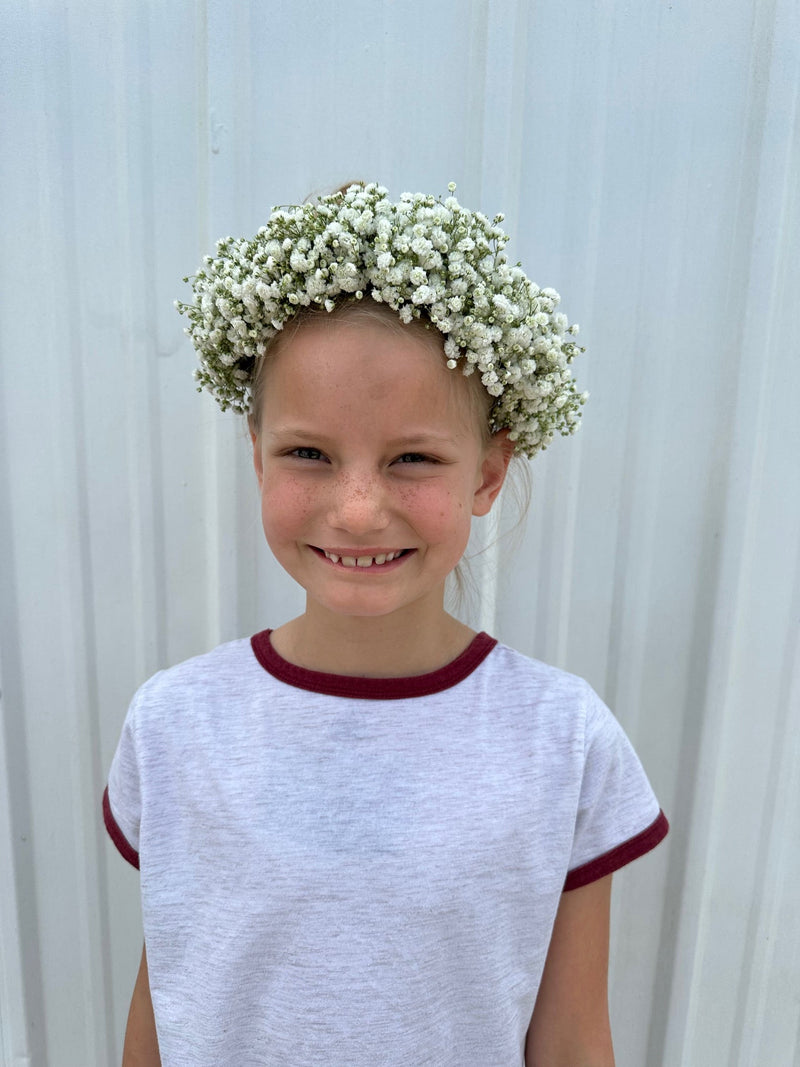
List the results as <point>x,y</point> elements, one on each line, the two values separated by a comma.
<point>363,561</point>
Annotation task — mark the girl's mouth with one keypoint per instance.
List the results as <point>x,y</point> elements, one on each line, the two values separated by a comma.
<point>380,559</point>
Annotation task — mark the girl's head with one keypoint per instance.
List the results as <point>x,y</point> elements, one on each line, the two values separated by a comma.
<point>371,459</point>
<point>389,361</point>
<point>425,259</point>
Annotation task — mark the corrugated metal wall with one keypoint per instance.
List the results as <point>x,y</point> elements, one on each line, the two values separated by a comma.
<point>646,157</point>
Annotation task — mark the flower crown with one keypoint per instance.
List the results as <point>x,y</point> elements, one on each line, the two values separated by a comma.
<point>422,256</point>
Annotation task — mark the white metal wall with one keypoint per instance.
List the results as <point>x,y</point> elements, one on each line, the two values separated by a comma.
<point>647,159</point>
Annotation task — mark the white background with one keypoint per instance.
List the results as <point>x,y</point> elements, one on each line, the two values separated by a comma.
<point>646,158</point>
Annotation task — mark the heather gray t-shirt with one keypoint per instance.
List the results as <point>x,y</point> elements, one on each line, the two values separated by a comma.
<point>362,872</point>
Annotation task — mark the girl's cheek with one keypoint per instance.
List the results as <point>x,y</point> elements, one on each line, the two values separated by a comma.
<point>286,499</point>
<point>432,498</point>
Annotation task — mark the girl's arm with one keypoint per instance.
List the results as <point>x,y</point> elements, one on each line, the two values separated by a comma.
<point>141,1043</point>
<point>570,1025</point>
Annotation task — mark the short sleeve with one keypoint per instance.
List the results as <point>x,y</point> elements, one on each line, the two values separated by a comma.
<point>122,798</point>
<point>619,818</point>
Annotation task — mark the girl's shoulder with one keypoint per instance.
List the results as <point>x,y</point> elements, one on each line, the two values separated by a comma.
<point>223,669</point>
<point>513,670</point>
<point>550,698</point>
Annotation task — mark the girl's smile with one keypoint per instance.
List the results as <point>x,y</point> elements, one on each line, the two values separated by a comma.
<point>371,463</point>
<point>362,559</point>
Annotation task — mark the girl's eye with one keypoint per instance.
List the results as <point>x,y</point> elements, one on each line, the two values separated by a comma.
<point>306,453</point>
<point>414,457</point>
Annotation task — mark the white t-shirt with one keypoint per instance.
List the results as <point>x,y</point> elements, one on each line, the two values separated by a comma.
<point>359,872</point>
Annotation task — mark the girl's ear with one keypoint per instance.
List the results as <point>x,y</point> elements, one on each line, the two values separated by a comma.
<point>493,472</point>
<point>257,461</point>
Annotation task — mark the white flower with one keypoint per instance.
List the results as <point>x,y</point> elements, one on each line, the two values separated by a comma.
<point>423,295</point>
<point>421,256</point>
<point>502,303</point>
<point>363,223</point>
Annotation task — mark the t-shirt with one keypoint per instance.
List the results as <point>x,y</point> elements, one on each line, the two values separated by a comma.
<point>360,872</point>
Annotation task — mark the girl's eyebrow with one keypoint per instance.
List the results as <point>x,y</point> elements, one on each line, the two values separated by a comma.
<point>411,439</point>
<point>295,431</point>
<point>425,437</point>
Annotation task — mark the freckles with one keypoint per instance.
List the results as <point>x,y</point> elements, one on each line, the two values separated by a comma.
<point>354,487</point>
<point>440,505</point>
<point>303,497</point>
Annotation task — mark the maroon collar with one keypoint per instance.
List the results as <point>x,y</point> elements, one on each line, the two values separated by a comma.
<point>342,685</point>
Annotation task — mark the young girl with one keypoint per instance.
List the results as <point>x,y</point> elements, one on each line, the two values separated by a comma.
<point>372,836</point>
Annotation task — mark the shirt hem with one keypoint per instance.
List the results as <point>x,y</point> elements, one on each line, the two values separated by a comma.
<point>620,856</point>
<point>125,849</point>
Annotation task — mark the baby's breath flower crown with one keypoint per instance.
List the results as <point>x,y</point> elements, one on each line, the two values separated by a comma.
<point>422,256</point>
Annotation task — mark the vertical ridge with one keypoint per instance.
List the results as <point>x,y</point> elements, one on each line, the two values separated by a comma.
<point>500,180</point>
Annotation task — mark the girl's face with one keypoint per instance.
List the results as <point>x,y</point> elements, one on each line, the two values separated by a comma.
<point>370,464</point>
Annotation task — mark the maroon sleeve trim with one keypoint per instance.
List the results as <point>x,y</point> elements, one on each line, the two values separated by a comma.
<point>620,856</point>
<point>126,851</point>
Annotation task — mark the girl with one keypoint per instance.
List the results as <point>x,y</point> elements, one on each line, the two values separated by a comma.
<point>373,836</point>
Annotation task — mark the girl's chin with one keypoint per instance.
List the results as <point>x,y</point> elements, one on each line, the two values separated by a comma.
<point>357,610</point>
<point>354,604</point>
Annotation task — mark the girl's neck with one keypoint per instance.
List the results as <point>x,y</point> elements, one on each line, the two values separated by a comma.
<point>371,647</point>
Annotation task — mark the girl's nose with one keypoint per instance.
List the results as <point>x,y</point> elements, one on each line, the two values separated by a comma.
<point>359,504</point>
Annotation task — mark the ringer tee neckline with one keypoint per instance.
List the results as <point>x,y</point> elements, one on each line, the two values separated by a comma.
<point>343,685</point>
